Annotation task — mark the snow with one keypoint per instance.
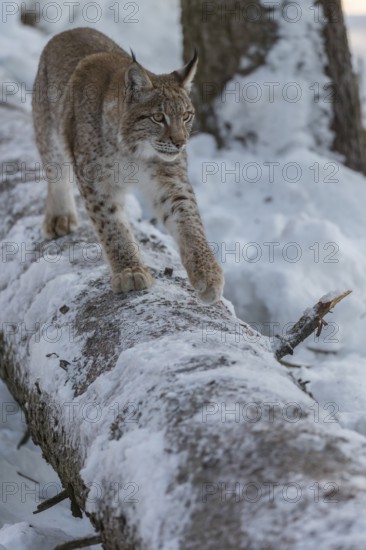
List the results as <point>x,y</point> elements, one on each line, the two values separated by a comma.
<point>283,215</point>
<point>20,496</point>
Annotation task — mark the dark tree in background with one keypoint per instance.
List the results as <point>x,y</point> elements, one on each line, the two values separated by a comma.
<point>347,117</point>
<point>226,31</point>
<point>223,32</point>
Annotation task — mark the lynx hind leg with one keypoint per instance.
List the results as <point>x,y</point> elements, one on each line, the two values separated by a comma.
<point>61,215</point>
<point>132,278</point>
<point>55,226</point>
<point>105,207</point>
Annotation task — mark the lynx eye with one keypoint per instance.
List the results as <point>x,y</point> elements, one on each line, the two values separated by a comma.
<point>158,117</point>
<point>187,116</point>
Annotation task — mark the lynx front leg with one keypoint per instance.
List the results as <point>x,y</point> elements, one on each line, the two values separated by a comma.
<point>177,207</point>
<point>119,244</point>
<point>61,216</point>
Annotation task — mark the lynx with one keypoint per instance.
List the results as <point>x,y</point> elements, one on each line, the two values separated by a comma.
<point>94,108</point>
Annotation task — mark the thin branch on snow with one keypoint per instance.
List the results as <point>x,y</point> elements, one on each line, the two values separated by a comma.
<point>290,365</point>
<point>322,351</point>
<point>27,477</point>
<point>79,543</point>
<point>24,439</point>
<point>51,502</point>
<point>312,319</point>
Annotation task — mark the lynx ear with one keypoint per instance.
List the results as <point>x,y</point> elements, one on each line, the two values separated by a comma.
<point>186,75</point>
<point>136,78</point>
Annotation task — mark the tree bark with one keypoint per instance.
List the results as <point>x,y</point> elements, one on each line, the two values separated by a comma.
<point>225,33</point>
<point>347,113</point>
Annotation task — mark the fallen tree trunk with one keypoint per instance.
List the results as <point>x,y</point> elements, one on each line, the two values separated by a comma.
<point>170,423</point>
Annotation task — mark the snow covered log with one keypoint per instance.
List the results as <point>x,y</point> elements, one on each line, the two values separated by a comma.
<point>234,39</point>
<point>170,423</point>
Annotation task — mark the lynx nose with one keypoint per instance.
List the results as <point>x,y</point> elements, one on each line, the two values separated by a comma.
<point>178,142</point>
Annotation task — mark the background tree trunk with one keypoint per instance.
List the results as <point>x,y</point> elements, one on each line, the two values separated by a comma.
<point>225,33</point>
<point>347,122</point>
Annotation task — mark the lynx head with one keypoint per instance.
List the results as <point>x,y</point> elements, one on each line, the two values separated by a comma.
<point>158,113</point>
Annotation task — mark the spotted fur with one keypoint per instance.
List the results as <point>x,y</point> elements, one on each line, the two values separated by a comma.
<point>96,108</point>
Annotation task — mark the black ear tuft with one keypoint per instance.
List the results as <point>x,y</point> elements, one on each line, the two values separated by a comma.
<point>136,78</point>
<point>186,74</point>
<point>134,60</point>
<point>193,61</point>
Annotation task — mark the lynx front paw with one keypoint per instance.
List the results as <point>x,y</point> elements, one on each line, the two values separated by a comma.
<point>132,278</point>
<point>58,226</point>
<point>209,284</point>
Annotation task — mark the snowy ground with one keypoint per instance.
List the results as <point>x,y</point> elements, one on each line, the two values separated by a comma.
<point>285,217</point>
